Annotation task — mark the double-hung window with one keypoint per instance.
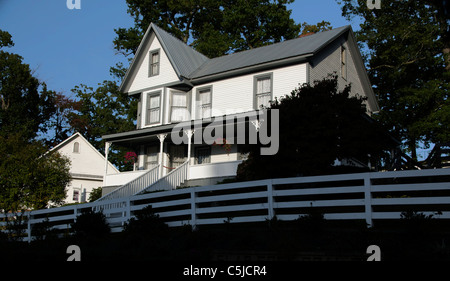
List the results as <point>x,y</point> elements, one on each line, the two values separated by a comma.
<point>154,63</point>
<point>179,107</point>
<point>151,160</point>
<point>263,90</point>
<point>153,108</point>
<point>203,103</point>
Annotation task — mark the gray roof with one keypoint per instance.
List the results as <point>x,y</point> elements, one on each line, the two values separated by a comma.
<point>302,46</point>
<point>184,59</point>
<point>193,66</point>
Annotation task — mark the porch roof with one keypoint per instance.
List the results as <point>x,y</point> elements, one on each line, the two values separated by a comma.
<point>138,134</point>
<point>152,132</point>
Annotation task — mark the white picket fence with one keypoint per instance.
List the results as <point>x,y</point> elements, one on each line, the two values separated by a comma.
<point>366,196</point>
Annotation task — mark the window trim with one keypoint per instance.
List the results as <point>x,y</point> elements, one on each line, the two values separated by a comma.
<point>344,64</point>
<point>197,101</point>
<point>147,108</point>
<point>196,154</point>
<point>188,105</point>
<point>255,87</point>
<point>76,147</point>
<point>146,158</point>
<point>76,195</point>
<point>150,63</point>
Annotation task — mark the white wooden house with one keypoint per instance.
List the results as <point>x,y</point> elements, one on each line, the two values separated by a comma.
<point>175,83</point>
<point>87,167</point>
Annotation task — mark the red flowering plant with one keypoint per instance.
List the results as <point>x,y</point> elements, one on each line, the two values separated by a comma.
<point>224,144</point>
<point>130,158</point>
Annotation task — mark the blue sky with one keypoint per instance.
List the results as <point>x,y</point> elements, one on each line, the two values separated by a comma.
<point>67,47</point>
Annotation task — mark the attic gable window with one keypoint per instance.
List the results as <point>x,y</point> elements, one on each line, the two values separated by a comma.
<point>154,63</point>
<point>76,147</point>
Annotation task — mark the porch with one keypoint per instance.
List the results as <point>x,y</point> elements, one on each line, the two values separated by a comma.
<point>161,160</point>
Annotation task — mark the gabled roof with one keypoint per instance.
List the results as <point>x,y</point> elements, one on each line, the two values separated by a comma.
<point>183,58</point>
<point>192,65</point>
<point>77,135</point>
<point>193,68</point>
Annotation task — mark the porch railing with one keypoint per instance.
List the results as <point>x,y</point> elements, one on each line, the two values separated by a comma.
<point>134,186</point>
<point>171,180</point>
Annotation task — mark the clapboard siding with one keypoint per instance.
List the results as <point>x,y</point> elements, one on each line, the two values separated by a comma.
<point>236,94</point>
<point>166,72</point>
<point>328,61</point>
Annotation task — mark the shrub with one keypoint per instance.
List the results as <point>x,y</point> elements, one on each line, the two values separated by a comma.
<point>145,222</point>
<point>91,224</point>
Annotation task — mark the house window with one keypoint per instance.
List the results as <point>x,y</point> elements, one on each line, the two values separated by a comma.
<point>76,196</point>
<point>76,147</point>
<point>263,91</point>
<point>343,62</point>
<point>203,103</point>
<point>153,108</point>
<point>151,157</point>
<point>203,155</point>
<point>179,107</point>
<point>177,155</point>
<point>154,63</point>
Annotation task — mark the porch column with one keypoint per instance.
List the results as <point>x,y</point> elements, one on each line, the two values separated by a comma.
<point>189,134</point>
<point>107,146</point>
<point>161,138</point>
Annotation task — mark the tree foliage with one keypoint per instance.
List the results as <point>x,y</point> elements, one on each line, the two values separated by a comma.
<point>407,45</point>
<point>30,178</point>
<point>318,124</point>
<point>103,111</point>
<point>213,28</point>
<point>25,103</point>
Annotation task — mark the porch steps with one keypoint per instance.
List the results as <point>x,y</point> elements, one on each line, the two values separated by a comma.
<point>170,181</point>
<point>135,186</point>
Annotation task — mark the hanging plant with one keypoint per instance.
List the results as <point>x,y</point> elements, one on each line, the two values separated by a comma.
<point>130,157</point>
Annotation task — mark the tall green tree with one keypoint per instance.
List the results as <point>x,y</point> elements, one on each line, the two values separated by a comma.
<point>30,178</point>
<point>25,103</point>
<point>317,125</point>
<point>214,28</point>
<point>407,47</point>
<point>103,111</point>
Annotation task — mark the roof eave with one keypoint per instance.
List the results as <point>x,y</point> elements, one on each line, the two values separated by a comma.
<point>125,80</point>
<point>250,69</point>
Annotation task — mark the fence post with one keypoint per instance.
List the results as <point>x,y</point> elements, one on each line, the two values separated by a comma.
<point>368,199</point>
<point>127,210</point>
<point>29,227</point>
<point>270,198</point>
<point>193,208</point>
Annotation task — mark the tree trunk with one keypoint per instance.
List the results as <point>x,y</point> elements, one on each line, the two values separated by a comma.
<point>412,148</point>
